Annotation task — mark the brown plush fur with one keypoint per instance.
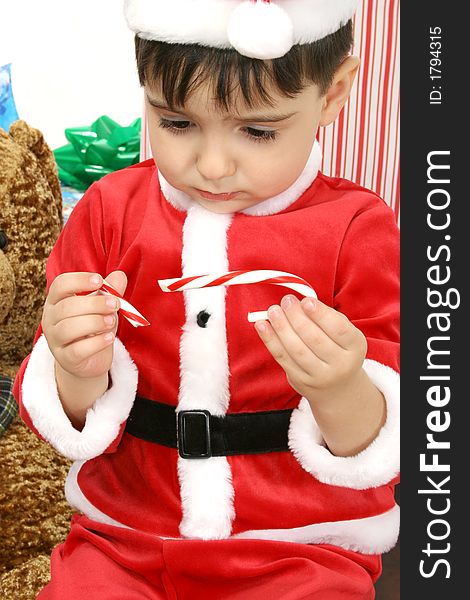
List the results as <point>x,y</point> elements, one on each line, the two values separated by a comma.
<point>31,216</point>
<point>34,515</point>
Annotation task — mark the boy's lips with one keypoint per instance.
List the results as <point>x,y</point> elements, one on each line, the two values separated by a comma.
<point>217,197</point>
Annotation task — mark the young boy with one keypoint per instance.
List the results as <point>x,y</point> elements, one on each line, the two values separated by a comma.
<point>213,458</point>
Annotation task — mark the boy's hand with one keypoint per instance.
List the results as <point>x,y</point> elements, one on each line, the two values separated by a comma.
<point>320,350</point>
<point>76,327</point>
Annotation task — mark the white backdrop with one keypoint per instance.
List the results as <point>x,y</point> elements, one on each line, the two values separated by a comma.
<point>72,62</point>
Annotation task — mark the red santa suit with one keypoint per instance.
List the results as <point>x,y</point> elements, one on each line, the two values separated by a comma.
<point>221,526</point>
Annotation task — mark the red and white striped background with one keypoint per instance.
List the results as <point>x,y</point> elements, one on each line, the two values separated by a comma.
<point>363,144</point>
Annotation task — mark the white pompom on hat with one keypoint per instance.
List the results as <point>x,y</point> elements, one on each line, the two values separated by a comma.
<point>255,28</point>
<point>260,30</point>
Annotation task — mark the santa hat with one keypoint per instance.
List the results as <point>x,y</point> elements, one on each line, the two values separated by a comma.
<point>255,28</point>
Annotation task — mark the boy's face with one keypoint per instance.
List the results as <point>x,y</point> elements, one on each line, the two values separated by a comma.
<point>230,161</point>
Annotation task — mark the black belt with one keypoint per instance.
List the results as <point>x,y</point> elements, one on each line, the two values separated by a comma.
<point>198,434</point>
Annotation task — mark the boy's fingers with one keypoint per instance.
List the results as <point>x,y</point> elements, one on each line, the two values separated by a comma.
<point>336,325</point>
<point>308,331</point>
<point>290,341</point>
<point>69,284</point>
<point>77,328</point>
<point>75,306</point>
<point>85,348</point>
<point>280,353</point>
<point>118,280</point>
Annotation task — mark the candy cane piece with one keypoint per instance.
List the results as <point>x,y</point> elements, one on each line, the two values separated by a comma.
<point>281,278</point>
<point>126,309</point>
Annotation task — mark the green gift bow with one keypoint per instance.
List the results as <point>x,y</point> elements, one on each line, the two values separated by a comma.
<point>96,151</point>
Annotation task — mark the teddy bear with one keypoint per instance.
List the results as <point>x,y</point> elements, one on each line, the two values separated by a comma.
<point>34,514</point>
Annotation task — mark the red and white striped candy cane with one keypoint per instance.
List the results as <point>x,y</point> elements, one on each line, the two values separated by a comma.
<point>288,280</point>
<point>126,309</point>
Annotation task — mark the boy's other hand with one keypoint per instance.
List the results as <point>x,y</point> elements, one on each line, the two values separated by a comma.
<point>320,350</point>
<point>80,330</point>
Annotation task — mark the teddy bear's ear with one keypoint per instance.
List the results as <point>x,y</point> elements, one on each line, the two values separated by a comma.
<point>28,137</point>
<point>33,140</point>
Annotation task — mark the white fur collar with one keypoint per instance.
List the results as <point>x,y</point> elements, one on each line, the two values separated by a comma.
<point>271,206</point>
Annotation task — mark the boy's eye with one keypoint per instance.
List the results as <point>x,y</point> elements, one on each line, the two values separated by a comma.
<point>261,135</point>
<point>175,126</point>
<point>253,133</point>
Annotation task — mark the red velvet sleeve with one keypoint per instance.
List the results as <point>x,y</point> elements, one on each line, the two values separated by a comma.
<point>81,246</point>
<point>367,287</point>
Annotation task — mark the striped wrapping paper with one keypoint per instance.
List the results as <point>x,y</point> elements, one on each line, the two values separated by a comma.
<point>363,143</point>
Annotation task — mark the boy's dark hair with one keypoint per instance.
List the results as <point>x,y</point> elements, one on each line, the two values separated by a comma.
<point>178,69</point>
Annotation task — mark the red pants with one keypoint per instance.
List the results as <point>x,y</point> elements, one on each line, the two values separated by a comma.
<point>111,563</point>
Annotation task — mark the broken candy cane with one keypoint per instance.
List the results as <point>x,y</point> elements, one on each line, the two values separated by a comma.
<point>127,310</point>
<point>297,284</point>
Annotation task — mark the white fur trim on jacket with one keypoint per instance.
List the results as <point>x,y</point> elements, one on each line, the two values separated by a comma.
<point>78,501</point>
<point>271,206</point>
<point>219,23</point>
<point>103,419</point>
<point>370,535</point>
<point>205,485</point>
<point>376,465</point>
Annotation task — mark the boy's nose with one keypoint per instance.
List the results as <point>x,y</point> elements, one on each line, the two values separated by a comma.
<point>215,164</point>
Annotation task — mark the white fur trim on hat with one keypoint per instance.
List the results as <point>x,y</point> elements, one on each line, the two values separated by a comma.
<point>376,465</point>
<point>236,23</point>
<point>103,419</point>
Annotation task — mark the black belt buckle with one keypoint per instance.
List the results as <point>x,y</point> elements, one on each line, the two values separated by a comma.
<point>193,434</point>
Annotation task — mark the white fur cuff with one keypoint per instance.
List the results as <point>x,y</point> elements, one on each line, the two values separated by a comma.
<point>103,419</point>
<point>378,464</point>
